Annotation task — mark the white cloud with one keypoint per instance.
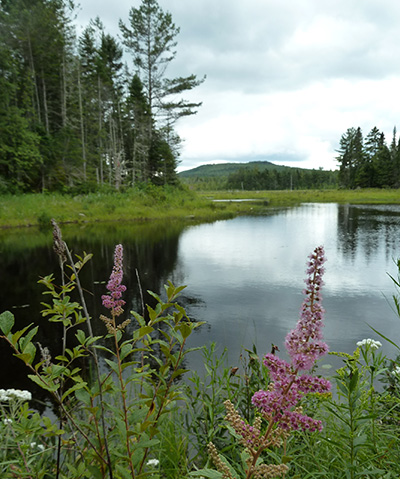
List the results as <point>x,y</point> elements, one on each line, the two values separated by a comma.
<point>284,79</point>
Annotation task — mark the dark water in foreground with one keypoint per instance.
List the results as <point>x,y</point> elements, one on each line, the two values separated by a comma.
<point>244,276</point>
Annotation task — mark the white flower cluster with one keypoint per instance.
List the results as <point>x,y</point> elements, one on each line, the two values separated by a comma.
<point>396,372</point>
<point>370,343</point>
<point>10,394</point>
<point>7,421</point>
<point>153,462</point>
<point>34,445</point>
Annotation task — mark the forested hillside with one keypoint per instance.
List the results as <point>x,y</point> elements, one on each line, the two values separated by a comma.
<point>257,175</point>
<point>72,113</point>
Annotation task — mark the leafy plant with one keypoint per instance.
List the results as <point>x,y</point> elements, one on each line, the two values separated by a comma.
<point>109,423</point>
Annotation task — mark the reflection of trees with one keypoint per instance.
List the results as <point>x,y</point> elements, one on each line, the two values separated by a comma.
<point>367,228</point>
<point>151,248</point>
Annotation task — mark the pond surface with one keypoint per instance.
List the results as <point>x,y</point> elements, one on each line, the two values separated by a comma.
<point>245,276</point>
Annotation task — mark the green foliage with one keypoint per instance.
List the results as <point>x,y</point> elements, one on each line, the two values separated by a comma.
<point>357,440</point>
<point>134,418</point>
<point>67,119</point>
<point>96,416</point>
<point>206,394</point>
<point>256,175</point>
<point>370,163</point>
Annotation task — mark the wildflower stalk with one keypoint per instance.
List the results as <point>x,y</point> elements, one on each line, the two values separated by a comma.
<point>113,301</point>
<point>63,251</point>
<point>279,404</point>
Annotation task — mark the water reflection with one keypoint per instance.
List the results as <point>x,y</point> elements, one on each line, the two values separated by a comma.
<point>245,275</point>
<point>368,227</point>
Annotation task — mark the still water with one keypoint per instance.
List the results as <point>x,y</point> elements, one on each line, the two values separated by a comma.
<point>244,276</point>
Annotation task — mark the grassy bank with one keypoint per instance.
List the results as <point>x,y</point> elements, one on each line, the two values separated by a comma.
<point>290,198</point>
<point>139,205</point>
<point>159,203</point>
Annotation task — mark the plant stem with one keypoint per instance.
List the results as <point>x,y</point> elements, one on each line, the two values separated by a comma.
<point>95,357</point>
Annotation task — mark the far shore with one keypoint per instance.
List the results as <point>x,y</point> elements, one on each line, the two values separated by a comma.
<point>171,203</point>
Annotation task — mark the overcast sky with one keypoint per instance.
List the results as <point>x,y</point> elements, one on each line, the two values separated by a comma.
<point>285,78</point>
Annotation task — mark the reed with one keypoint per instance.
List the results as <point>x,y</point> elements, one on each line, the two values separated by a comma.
<point>152,202</point>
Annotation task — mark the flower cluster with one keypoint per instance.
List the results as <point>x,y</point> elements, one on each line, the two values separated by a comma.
<point>113,300</point>
<point>304,345</point>
<point>11,394</point>
<point>396,372</point>
<point>369,343</point>
<point>34,445</point>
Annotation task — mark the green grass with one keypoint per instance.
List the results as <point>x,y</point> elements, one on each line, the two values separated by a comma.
<point>139,205</point>
<point>290,198</point>
<point>161,203</point>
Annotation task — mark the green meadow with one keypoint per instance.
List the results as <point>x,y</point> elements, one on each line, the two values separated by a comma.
<point>153,203</point>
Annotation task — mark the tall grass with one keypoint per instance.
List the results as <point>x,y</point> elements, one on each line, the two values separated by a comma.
<point>134,204</point>
<point>288,198</point>
<point>150,202</point>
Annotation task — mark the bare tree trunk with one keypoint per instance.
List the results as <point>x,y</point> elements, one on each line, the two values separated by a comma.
<point>82,125</point>
<point>45,106</point>
<point>34,79</point>
<point>63,94</point>
<point>100,131</point>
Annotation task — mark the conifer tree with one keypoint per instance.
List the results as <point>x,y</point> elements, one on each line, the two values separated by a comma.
<point>151,39</point>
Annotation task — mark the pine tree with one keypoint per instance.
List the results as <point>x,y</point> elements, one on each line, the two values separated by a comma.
<point>151,38</point>
<point>351,157</point>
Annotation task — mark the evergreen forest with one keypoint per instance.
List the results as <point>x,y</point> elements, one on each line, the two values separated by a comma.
<point>369,162</point>
<point>75,113</point>
<point>79,112</point>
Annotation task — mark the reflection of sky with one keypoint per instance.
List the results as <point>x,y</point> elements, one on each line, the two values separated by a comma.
<point>249,273</point>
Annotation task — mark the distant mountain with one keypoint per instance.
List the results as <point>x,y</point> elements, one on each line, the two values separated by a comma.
<point>225,169</point>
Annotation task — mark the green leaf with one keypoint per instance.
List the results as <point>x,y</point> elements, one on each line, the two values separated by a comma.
<point>15,337</point>
<point>95,473</point>
<point>28,355</point>
<point>384,337</point>
<point>83,396</point>
<point>80,336</point>
<point>6,322</point>
<point>185,329</point>
<point>210,473</point>
<point>23,342</point>
<point>151,293</point>
<point>126,349</point>
<point>360,440</point>
<point>48,387</point>
<point>103,348</point>
<point>139,333</point>
<point>25,357</point>
<point>75,387</point>
<point>113,365</point>
<point>178,372</point>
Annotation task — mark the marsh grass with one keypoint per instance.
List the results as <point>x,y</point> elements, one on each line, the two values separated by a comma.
<point>151,203</point>
<point>135,204</point>
<point>294,197</point>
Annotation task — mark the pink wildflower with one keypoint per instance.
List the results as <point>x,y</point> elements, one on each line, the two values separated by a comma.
<point>304,345</point>
<point>113,300</point>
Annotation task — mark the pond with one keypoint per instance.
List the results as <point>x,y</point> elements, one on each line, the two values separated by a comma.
<point>244,276</point>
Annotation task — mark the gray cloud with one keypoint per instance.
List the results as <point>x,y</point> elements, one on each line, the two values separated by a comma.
<point>281,76</point>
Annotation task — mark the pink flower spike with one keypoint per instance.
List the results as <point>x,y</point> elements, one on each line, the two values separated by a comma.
<point>304,345</point>
<point>113,300</point>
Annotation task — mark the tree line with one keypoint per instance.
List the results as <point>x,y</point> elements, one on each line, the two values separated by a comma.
<point>281,179</point>
<point>369,162</point>
<point>73,113</point>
